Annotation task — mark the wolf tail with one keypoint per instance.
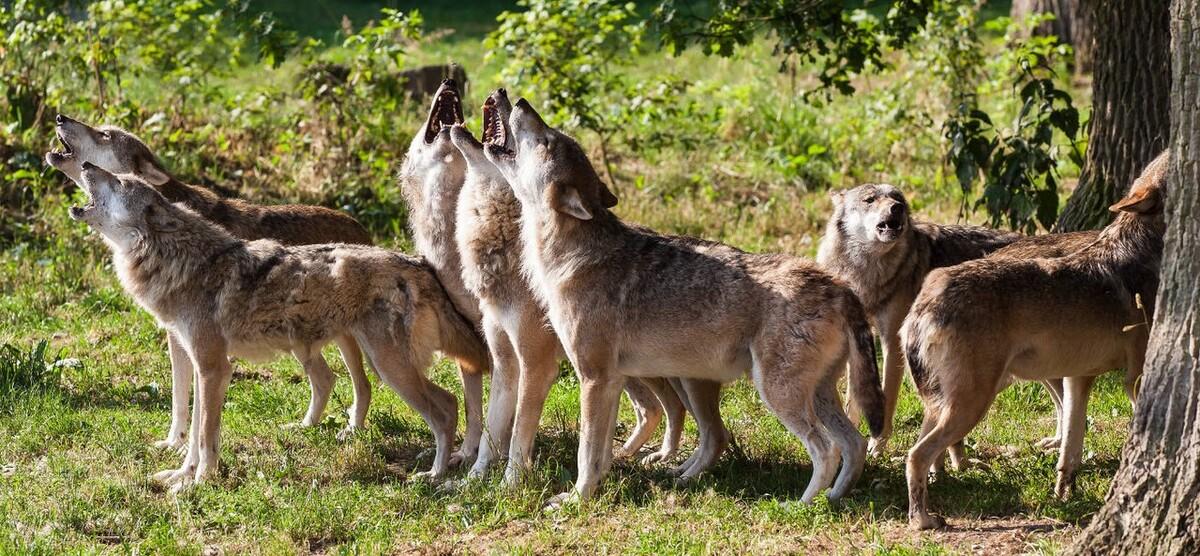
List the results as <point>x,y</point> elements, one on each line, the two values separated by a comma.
<point>462,340</point>
<point>917,327</point>
<point>864,369</point>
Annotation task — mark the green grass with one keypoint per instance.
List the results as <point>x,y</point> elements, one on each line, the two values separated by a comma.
<point>748,162</point>
<point>76,458</point>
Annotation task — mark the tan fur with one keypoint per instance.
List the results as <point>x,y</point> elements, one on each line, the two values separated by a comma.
<point>489,243</point>
<point>221,296</point>
<point>626,302</point>
<point>432,179</point>
<point>120,152</point>
<point>873,243</point>
<point>1074,317</point>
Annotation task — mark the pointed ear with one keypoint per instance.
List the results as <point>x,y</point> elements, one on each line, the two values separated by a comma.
<point>607,199</point>
<point>159,220</point>
<point>566,199</point>
<point>150,172</point>
<point>1142,200</point>
<point>836,196</point>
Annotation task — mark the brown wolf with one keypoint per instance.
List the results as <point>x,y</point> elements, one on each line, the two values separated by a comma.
<point>221,296</point>
<point>873,244</point>
<point>625,301</point>
<point>519,336</point>
<point>1075,317</point>
<point>120,152</point>
<point>432,179</point>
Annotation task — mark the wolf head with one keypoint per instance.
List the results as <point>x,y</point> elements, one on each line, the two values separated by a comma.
<point>1147,195</point>
<point>547,169</point>
<point>111,148</point>
<point>871,214</point>
<point>124,208</point>
<point>432,140</point>
<point>496,110</point>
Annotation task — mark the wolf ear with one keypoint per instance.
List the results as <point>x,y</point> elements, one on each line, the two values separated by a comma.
<point>1143,200</point>
<point>158,220</point>
<point>836,196</point>
<point>150,172</point>
<point>607,199</point>
<point>566,199</point>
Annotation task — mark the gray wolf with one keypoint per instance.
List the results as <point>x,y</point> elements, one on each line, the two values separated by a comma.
<point>121,152</point>
<point>432,180</point>
<point>874,245</point>
<point>221,296</point>
<point>519,336</point>
<point>431,177</point>
<point>625,301</point>
<point>1073,317</point>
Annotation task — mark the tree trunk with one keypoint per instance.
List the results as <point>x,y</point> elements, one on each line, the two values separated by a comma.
<point>1130,97</point>
<point>1083,36</point>
<point>1072,25</point>
<point>1153,506</point>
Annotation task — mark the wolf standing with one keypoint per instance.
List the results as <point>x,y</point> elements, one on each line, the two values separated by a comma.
<point>223,296</point>
<point>626,301</point>
<point>873,244</point>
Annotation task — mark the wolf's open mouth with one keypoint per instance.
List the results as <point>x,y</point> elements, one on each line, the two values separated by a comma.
<point>890,227</point>
<point>495,136</point>
<point>446,111</point>
<point>66,150</point>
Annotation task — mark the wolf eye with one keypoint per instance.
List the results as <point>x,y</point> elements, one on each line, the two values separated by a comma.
<point>869,200</point>
<point>104,134</point>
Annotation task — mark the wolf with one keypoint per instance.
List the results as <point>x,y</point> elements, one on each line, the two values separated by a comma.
<point>431,179</point>
<point>873,244</point>
<point>121,152</point>
<point>518,334</point>
<point>625,301</point>
<point>222,296</point>
<point>1073,317</point>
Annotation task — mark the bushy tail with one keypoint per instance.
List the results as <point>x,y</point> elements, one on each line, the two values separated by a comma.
<point>462,340</point>
<point>915,328</point>
<point>864,369</point>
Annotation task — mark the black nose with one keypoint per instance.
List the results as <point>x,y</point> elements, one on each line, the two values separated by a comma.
<point>449,83</point>
<point>897,209</point>
<point>522,103</point>
<point>88,165</point>
<point>502,92</point>
<point>60,119</point>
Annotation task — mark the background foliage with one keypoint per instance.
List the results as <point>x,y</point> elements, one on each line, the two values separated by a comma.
<point>732,127</point>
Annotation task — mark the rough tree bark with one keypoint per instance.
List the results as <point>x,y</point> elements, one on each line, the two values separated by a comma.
<point>1130,89</point>
<point>1072,25</point>
<point>1153,506</point>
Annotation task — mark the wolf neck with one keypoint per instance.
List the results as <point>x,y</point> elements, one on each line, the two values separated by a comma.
<point>433,199</point>
<point>558,248</point>
<point>1132,247</point>
<point>194,197</point>
<point>161,265</point>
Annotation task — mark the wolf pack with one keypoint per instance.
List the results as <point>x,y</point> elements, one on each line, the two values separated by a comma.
<point>522,264</point>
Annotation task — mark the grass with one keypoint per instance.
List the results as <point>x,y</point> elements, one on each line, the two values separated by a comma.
<point>748,163</point>
<point>77,457</point>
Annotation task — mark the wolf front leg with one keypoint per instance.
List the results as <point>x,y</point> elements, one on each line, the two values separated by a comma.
<point>600,396</point>
<point>1070,455</point>
<point>181,392</point>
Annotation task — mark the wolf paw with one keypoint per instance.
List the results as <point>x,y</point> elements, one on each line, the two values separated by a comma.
<point>347,433</point>
<point>659,456</point>
<point>171,445</point>
<point>558,501</point>
<point>1050,443</point>
<point>926,522</point>
<point>876,447</point>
